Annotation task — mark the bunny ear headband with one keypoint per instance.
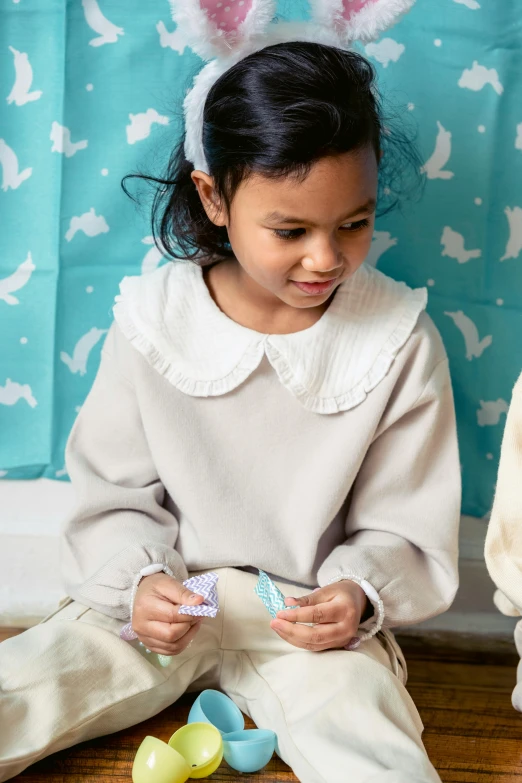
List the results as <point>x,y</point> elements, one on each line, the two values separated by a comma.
<point>225,31</point>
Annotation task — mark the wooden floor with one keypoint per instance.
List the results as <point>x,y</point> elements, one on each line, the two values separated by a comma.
<point>472,733</point>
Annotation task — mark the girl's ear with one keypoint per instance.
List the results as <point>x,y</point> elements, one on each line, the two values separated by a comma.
<point>212,204</point>
<point>358,20</point>
<point>218,28</point>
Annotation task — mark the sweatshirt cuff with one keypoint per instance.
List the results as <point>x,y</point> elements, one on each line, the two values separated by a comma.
<point>153,568</point>
<point>112,588</point>
<point>373,625</point>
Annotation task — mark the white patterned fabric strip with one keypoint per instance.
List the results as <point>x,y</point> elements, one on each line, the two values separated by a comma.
<point>270,594</point>
<point>205,585</point>
<point>127,633</point>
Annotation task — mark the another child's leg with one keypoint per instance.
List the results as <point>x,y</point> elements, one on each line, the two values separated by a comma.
<point>71,678</point>
<point>516,697</point>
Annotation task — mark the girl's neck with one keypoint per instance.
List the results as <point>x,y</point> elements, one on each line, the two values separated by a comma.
<point>241,299</point>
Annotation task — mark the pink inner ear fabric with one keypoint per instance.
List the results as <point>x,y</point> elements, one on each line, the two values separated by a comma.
<point>227,15</point>
<point>351,7</point>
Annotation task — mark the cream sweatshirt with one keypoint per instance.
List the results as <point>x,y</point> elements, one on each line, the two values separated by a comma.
<point>503,550</point>
<point>321,455</point>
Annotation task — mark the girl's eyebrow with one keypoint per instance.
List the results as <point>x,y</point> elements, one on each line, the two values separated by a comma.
<point>278,217</point>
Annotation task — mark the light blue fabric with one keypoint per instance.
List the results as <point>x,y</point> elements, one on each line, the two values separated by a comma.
<point>100,88</point>
<point>270,594</point>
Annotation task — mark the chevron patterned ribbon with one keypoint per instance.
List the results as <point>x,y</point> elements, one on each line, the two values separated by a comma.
<point>270,594</point>
<point>205,585</point>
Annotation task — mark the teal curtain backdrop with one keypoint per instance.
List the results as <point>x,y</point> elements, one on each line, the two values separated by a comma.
<point>91,90</point>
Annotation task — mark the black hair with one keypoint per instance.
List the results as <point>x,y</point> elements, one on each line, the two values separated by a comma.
<point>277,112</point>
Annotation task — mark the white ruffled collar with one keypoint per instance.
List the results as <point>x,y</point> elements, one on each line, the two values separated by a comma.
<point>172,320</point>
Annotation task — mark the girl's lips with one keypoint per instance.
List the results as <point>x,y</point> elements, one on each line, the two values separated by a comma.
<point>315,288</point>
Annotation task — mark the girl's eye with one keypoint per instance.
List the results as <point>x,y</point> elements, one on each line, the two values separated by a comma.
<point>289,233</point>
<point>356,226</point>
<point>295,233</point>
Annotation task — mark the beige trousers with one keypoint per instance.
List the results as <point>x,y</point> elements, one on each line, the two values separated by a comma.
<point>338,715</point>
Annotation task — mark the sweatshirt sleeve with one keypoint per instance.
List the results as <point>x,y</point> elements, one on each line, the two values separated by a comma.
<point>503,550</point>
<point>119,525</point>
<point>403,519</point>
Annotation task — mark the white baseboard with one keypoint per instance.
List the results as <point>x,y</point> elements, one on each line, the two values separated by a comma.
<point>32,514</point>
<point>473,611</point>
<point>30,586</point>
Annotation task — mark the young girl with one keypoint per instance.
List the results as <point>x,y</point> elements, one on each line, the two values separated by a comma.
<point>272,403</point>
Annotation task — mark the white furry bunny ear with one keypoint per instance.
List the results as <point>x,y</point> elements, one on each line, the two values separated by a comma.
<point>359,20</point>
<point>216,28</point>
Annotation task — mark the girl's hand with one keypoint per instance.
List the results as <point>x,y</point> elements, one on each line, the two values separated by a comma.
<point>155,616</point>
<point>336,611</point>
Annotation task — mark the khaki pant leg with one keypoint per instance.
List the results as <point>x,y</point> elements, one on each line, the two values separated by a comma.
<point>71,678</point>
<point>339,715</point>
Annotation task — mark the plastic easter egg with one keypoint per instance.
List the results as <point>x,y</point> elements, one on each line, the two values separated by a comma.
<point>156,762</point>
<point>216,708</point>
<point>249,750</point>
<point>201,746</point>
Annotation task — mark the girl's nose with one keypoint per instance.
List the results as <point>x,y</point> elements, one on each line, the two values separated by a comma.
<point>325,256</point>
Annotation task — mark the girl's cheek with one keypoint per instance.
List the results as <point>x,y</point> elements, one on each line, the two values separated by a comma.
<point>361,247</point>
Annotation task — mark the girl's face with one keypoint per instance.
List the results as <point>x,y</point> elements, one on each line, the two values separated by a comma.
<point>286,232</point>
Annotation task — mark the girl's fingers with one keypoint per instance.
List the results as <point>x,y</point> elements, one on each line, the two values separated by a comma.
<point>154,646</point>
<point>321,613</point>
<point>186,640</point>
<point>189,636</point>
<point>181,595</point>
<point>320,637</point>
<point>164,612</point>
<point>157,646</point>
<point>318,596</point>
<point>175,592</point>
<point>168,633</point>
